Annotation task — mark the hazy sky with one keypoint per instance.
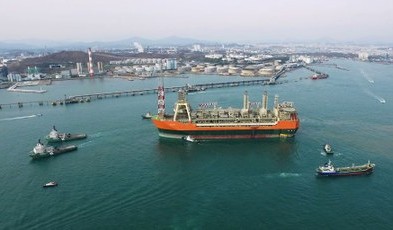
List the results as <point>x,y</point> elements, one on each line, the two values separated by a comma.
<point>220,20</point>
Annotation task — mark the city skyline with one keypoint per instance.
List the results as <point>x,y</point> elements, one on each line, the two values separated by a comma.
<point>218,20</point>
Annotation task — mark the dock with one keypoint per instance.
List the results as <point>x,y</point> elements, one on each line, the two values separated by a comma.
<point>82,98</point>
<point>98,96</point>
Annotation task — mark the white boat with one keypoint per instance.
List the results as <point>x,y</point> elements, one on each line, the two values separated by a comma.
<point>147,116</point>
<point>328,149</point>
<point>41,150</point>
<point>55,136</point>
<point>50,184</point>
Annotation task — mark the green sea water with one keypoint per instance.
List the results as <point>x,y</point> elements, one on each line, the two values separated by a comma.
<point>123,176</point>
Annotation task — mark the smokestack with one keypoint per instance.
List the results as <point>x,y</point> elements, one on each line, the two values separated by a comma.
<point>91,71</point>
<point>263,111</point>
<point>246,103</point>
<point>276,105</point>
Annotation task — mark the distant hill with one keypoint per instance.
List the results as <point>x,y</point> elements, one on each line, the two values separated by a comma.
<point>70,58</point>
<point>67,58</point>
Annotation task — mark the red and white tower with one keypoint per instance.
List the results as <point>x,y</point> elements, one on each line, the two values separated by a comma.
<point>161,101</point>
<point>91,71</point>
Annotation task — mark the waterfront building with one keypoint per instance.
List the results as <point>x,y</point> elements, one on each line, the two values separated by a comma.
<point>363,56</point>
<point>158,66</point>
<point>171,64</point>
<point>266,71</point>
<point>196,48</point>
<point>210,69</point>
<point>3,72</point>
<point>248,72</point>
<point>33,73</point>
<point>74,72</point>
<point>184,69</point>
<point>305,59</point>
<point>79,68</point>
<point>214,56</point>
<point>222,69</point>
<point>14,77</point>
<point>138,69</point>
<point>233,70</point>
<point>65,74</point>
<point>100,67</point>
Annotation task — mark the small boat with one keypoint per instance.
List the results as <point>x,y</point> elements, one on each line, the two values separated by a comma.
<point>319,76</point>
<point>55,136</point>
<point>42,151</point>
<point>147,116</point>
<point>50,184</point>
<point>191,88</point>
<point>328,149</point>
<point>355,170</point>
<point>189,139</point>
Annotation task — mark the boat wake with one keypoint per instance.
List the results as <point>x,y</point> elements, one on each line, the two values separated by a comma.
<point>335,154</point>
<point>282,175</point>
<point>96,135</point>
<point>323,153</point>
<point>85,144</point>
<point>380,99</point>
<point>20,118</point>
<point>368,78</point>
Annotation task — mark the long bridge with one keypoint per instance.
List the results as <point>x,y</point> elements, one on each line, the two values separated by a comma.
<point>94,96</point>
<point>198,87</point>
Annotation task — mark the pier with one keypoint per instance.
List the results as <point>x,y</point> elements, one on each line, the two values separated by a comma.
<point>14,88</point>
<point>314,70</point>
<point>97,96</point>
<point>82,98</point>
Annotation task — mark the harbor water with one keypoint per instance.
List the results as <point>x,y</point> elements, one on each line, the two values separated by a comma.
<point>123,176</point>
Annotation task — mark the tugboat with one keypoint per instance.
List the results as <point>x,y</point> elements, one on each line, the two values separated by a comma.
<point>147,116</point>
<point>41,151</point>
<point>50,184</point>
<point>55,136</point>
<point>328,149</point>
<point>355,170</point>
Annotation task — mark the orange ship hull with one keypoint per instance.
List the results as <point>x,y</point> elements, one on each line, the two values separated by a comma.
<point>176,129</point>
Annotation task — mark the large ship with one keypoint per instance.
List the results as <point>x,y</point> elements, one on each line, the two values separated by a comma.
<point>329,170</point>
<point>229,123</point>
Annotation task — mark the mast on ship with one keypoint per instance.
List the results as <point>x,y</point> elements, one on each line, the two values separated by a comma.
<point>161,100</point>
<point>182,108</point>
